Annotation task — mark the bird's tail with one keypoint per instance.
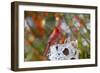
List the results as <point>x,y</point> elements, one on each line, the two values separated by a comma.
<point>46,50</point>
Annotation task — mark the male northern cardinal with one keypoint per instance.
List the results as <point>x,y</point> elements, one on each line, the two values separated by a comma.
<point>53,37</point>
<point>57,32</point>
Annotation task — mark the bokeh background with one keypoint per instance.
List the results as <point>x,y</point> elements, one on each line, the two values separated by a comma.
<point>40,25</point>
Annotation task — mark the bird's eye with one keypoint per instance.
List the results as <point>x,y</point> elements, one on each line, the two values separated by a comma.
<point>66,51</point>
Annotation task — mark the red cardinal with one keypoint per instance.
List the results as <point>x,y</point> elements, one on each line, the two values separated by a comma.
<point>54,36</point>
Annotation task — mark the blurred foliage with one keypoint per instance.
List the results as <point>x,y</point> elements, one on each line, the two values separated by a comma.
<point>36,35</point>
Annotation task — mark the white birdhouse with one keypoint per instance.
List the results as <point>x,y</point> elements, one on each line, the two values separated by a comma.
<point>63,52</point>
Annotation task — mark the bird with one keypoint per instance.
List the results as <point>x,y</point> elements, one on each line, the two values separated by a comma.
<point>56,34</point>
<point>53,37</point>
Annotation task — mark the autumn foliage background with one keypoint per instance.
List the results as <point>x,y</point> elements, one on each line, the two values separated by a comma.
<point>41,26</point>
